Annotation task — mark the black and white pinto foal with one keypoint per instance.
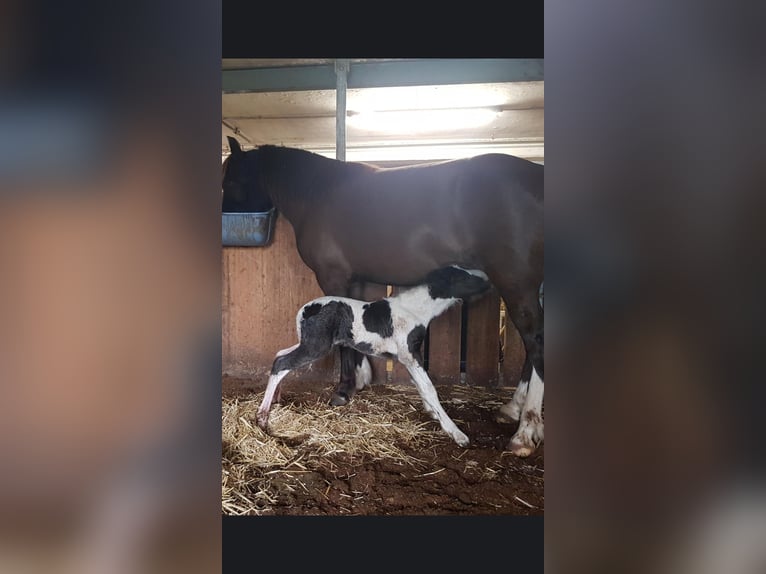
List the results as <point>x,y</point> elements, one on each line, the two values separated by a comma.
<point>393,327</point>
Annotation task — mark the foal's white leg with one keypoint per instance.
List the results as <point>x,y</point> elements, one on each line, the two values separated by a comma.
<point>278,394</point>
<point>431,401</point>
<point>263,411</point>
<point>530,432</point>
<point>511,411</point>
<point>428,409</point>
<point>288,350</point>
<point>363,374</point>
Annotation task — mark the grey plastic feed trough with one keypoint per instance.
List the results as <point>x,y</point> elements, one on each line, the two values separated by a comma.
<point>247,229</point>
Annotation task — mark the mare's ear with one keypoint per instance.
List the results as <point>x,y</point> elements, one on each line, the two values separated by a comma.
<point>234,146</point>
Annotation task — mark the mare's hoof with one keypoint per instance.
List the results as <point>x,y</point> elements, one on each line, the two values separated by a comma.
<point>339,399</point>
<point>521,448</point>
<point>529,436</point>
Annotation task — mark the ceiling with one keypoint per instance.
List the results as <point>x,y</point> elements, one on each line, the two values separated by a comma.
<point>305,118</point>
<point>244,63</point>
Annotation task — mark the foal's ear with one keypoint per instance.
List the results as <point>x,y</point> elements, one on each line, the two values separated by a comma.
<point>234,145</point>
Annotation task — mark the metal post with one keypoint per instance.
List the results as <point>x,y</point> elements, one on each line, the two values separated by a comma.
<point>341,73</point>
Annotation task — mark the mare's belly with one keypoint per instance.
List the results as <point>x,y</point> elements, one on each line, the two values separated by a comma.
<point>394,251</point>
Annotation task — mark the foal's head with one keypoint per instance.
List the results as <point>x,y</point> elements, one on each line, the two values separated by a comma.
<point>456,282</point>
<point>242,189</point>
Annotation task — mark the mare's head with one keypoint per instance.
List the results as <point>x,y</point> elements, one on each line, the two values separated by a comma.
<point>242,189</point>
<point>456,282</point>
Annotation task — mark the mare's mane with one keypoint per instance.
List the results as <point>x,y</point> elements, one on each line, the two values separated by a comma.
<point>301,171</point>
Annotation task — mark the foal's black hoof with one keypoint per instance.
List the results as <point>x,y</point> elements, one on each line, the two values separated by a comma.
<point>339,399</point>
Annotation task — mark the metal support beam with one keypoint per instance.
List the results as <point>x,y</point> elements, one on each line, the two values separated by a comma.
<point>384,74</point>
<point>341,73</point>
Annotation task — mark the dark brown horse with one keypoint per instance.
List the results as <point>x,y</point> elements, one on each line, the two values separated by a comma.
<point>356,223</point>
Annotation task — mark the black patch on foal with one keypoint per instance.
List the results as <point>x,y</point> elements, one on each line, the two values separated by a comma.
<point>322,326</point>
<point>377,318</point>
<point>415,339</point>
<point>365,348</point>
<point>311,310</point>
<point>344,320</point>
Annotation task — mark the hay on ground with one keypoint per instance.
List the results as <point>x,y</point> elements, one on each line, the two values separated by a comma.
<point>256,465</point>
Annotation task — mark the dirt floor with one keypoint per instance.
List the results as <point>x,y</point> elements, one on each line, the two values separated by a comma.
<point>423,473</point>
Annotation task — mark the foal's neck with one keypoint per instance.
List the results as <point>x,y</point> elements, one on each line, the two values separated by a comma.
<point>419,302</point>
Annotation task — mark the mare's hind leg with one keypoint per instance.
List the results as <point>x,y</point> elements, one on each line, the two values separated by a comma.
<point>530,432</point>
<point>511,411</point>
<point>287,359</point>
<point>527,316</point>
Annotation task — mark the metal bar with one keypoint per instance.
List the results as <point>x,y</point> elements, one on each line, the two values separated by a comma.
<point>287,79</point>
<point>384,74</point>
<point>341,73</point>
<point>236,131</point>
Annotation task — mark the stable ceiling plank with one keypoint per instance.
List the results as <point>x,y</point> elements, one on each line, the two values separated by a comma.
<point>516,95</point>
<point>515,125</point>
<point>383,74</point>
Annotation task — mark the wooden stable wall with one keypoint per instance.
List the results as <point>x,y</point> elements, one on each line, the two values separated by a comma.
<point>263,287</point>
